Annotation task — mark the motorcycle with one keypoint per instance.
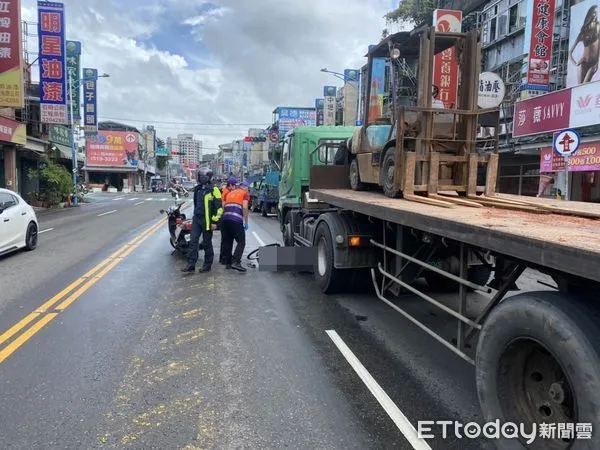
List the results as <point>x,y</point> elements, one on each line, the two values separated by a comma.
<point>180,228</point>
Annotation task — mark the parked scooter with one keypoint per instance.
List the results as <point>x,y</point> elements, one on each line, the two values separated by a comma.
<point>179,228</point>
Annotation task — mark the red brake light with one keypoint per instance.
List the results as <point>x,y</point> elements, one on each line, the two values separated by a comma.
<point>188,226</point>
<point>179,221</point>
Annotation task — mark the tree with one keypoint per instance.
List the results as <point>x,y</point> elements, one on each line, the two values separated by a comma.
<point>161,161</point>
<point>418,11</point>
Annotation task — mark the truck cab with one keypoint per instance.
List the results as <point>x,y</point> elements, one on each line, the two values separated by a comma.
<point>302,148</point>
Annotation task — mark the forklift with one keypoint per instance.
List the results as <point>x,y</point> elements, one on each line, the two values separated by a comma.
<point>421,151</point>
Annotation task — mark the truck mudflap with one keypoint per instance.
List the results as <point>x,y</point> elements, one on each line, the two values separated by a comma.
<point>351,237</point>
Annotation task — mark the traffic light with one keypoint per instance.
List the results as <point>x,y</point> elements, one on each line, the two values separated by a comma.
<point>255,139</point>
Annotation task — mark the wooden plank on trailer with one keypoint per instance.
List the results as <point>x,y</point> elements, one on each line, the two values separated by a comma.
<point>456,200</point>
<point>434,172</point>
<point>428,201</point>
<point>409,173</point>
<point>540,239</point>
<point>472,183</point>
<point>492,175</point>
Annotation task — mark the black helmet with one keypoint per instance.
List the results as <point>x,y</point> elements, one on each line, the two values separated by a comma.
<point>204,176</point>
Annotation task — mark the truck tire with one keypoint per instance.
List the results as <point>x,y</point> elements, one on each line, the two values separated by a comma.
<point>263,209</point>
<point>387,173</point>
<point>538,362</point>
<point>355,183</point>
<point>288,240</point>
<point>329,279</point>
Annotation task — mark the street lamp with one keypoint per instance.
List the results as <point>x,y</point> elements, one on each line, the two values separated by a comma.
<point>73,135</point>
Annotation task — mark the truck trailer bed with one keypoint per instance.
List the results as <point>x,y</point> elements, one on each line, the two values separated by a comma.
<point>565,243</point>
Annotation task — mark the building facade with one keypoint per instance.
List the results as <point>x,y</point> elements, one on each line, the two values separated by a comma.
<point>509,36</point>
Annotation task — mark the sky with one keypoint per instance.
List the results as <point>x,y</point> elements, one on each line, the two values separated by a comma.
<point>218,68</point>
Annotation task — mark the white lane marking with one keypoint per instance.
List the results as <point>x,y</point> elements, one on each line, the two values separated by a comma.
<point>106,213</point>
<point>403,424</point>
<point>133,199</point>
<point>139,203</point>
<point>258,239</point>
<point>118,198</point>
<point>46,230</point>
<point>149,199</point>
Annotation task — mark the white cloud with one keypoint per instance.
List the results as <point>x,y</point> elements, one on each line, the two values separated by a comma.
<point>247,57</point>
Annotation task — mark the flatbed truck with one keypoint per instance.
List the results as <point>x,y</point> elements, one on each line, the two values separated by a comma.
<point>536,354</point>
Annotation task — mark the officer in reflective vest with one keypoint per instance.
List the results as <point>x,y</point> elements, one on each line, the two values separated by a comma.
<point>207,213</point>
<point>230,184</point>
<point>234,226</point>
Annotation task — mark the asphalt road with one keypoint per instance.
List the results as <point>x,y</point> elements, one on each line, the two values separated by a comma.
<point>137,355</point>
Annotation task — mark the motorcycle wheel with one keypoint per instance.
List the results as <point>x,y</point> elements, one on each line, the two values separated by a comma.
<point>172,243</point>
<point>187,194</point>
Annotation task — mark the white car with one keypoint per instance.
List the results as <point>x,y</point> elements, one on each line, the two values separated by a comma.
<point>18,223</point>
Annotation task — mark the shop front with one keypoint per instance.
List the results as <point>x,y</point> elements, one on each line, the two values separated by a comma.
<point>13,139</point>
<point>584,171</point>
<point>112,161</point>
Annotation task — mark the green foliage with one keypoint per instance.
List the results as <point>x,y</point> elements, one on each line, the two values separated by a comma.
<point>420,12</point>
<point>161,162</point>
<point>160,142</point>
<point>56,183</point>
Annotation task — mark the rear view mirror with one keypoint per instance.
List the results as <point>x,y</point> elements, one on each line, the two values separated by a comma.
<point>162,211</point>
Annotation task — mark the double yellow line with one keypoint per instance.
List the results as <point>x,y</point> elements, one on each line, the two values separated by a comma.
<point>15,337</point>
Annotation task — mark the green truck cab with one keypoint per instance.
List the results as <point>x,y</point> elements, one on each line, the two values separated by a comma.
<point>302,148</point>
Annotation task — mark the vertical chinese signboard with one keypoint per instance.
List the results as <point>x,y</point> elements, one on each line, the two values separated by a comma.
<point>11,73</point>
<point>73,75</point>
<point>320,107</point>
<point>90,104</point>
<point>329,112</point>
<point>52,60</point>
<point>445,65</point>
<point>540,43</point>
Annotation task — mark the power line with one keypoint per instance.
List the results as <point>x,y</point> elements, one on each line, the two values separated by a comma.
<point>150,121</point>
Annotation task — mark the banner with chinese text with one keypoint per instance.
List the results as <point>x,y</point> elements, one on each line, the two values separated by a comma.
<point>74,74</point>
<point>113,149</point>
<point>329,92</point>
<point>52,60</point>
<point>11,73</point>
<point>290,118</point>
<point>540,43</point>
<point>445,64</point>
<point>587,159</point>
<point>320,107</point>
<point>60,135</point>
<point>90,103</point>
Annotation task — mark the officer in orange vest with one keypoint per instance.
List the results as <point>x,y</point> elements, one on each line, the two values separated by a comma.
<point>234,226</point>
<point>225,189</point>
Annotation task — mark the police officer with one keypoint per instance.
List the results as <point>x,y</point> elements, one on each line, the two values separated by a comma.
<point>227,187</point>
<point>207,213</point>
<point>234,226</point>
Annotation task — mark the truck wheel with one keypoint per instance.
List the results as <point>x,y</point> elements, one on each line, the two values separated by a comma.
<point>538,362</point>
<point>355,183</point>
<point>288,236</point>
<point>263,209</point>
<point>387,174</point>
<point>327,276</point>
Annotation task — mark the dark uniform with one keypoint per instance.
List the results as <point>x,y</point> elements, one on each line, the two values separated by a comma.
<point>207,212</point>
